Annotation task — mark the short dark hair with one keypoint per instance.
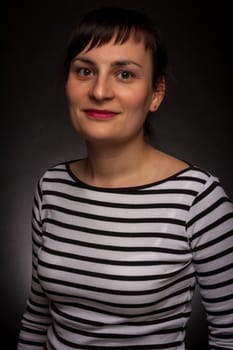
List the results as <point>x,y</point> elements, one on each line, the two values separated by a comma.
<point>100,25</point>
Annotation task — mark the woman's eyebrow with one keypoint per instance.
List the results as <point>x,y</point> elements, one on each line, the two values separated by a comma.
<point>84,60</point>
<point>125,63</point>
<point>113,64</point>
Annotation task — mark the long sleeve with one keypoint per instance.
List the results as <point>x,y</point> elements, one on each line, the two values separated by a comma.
<point>210,229</point>
<point>36,318</point>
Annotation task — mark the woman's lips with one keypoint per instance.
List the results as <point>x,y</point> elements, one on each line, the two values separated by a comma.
<point>100,113</point>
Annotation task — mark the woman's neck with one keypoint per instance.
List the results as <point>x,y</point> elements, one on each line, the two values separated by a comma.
<point>115,166</point>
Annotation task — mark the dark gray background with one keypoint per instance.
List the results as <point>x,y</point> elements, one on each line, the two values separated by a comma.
<point>194,122</point>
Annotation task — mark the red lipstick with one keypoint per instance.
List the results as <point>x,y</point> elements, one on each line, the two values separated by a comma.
<point>100,113</point>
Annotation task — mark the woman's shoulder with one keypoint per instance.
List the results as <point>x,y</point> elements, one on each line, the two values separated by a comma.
<point>55,171</point>
<point>53,168</point>
<point>171,166</point>
<point>187,176</point>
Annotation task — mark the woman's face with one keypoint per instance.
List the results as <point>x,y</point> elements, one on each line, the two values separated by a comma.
<point>109,91</point>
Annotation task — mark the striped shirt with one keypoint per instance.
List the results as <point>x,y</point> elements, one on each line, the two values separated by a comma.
<point>116,268</point>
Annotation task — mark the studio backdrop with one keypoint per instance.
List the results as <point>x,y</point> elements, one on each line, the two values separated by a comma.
<point>194,122</point>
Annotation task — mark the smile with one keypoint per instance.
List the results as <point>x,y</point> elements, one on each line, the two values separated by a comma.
<point>100,113</point>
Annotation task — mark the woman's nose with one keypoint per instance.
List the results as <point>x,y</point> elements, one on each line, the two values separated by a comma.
<point>101,88</point>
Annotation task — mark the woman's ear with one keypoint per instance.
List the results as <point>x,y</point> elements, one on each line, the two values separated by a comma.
<point>158,94</point>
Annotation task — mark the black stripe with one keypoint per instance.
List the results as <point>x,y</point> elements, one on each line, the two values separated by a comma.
<point>113,291</point>
<point>111,277</point>
<point>92,230</point>
<point>117,248</point>
<point>111,219</point>
<point>116,336</point>
<point>206,192</point>
<point>30,342</point>
<point>207,211</point>
<point>211,226</point>
<point>218,299</point>
<point>110,262</point>
<point>212,242</point>
<point>90,307</point>
<point>214,257</point>
<point>114,204</point>
<point>123,190</point>
<point>217,285</point>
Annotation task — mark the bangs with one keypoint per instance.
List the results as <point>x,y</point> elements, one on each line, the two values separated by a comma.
<point>121,35</point>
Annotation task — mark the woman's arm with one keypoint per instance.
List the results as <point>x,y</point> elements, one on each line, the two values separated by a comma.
<point>37,318</point>
<point>210,230</point>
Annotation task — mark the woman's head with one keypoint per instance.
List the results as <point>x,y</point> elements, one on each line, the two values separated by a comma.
<point>99,26</point>
<point>119,26</point>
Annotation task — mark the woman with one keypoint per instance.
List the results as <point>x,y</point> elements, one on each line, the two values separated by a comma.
<point>121,237</point>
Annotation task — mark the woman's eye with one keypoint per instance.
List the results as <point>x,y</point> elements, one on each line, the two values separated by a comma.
<point>85,72</point>
<point>125,75</point>
<point>82,72</point>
